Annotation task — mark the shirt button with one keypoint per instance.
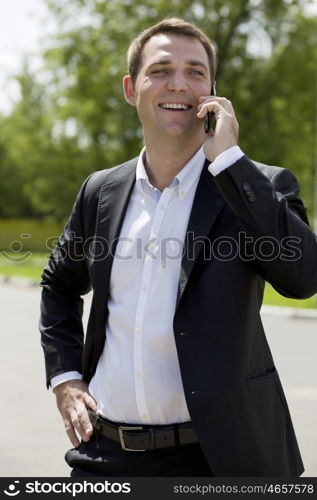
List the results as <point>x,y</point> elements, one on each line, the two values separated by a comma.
<point>138,374</point>
<point>161,206</point>
<point>181,194</point>
<point>144,416</point>
<point>137,330</point>
<point>144,288</point>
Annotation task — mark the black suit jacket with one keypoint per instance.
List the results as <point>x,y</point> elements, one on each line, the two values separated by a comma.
<point>231,385</point>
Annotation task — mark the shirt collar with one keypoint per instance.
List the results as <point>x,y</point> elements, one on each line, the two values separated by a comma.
<point>185,178</point>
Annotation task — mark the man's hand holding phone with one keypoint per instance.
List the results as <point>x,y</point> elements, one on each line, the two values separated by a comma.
<point>226,131</point>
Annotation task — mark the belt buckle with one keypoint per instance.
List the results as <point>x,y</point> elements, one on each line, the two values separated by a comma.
<point>121,436</point>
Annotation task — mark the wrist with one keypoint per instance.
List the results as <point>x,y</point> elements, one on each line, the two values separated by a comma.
<point>67,384</point>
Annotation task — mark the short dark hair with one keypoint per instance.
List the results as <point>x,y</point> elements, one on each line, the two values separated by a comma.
<point>175,26</point>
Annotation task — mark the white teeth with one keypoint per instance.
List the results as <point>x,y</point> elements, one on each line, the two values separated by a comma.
<point>174,106</point>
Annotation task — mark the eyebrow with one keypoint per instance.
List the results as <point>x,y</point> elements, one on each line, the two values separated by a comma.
<point>167,62</point>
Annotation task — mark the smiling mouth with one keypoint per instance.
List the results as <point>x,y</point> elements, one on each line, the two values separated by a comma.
<point>175,107</point>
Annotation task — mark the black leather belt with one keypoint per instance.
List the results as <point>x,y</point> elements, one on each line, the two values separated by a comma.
<point>142,438</point>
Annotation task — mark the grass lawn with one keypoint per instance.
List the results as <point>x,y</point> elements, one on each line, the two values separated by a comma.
<point>31,266</point>
<point>271,297</point>
<point>28,266</point>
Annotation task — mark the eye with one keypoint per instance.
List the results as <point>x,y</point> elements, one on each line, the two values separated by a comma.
<point>159,72</point>
<point>197,72</point>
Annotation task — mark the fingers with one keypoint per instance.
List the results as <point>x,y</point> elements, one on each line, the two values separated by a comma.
<point>77,423</point>
<point>225,132</point>
<point>222,100</point>
<point>71,433</point>
<point>215,104</point>
<point>222,108</point>
<point>73,399</point>
<point>81,423</point>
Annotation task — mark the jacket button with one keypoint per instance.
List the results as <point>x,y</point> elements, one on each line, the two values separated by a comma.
<point>252,198</point>
<point>246,186</point>
<point>184,333</point>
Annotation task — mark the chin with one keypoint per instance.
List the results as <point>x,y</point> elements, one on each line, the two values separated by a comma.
<point>177,130</point>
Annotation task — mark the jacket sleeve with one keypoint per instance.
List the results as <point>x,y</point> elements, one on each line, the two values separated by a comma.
<point>266,202</point>
<point>64,280</point>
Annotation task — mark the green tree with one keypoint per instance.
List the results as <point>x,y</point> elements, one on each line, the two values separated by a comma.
<point>41,165</point>
<point>78,121</point>
<point>21,137</point>
<point>277,106</point>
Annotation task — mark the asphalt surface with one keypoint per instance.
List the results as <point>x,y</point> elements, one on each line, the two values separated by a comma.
<point>32,437</point>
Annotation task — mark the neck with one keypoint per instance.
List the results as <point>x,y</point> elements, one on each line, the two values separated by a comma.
<point>163,162</point>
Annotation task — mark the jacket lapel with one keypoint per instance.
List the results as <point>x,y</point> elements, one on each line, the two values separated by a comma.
<point>208,203</point>
<point>113,202</point>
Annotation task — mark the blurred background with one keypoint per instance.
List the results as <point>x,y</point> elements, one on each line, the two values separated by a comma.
<point>63,116</point>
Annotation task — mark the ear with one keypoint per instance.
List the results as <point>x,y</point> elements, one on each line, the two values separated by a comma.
<point>128,90</point>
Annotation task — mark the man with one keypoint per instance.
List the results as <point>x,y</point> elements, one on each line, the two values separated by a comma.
<point>176,245</point>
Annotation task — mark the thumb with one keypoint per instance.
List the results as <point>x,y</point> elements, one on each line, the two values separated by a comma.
<point>90,402</point>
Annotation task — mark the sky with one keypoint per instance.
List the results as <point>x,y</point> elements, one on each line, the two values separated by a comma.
<point>22,24</point>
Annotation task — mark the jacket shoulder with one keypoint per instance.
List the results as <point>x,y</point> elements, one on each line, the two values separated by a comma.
<point>107,176</point>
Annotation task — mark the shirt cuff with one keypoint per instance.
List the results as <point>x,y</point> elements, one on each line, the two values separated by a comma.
<point>225,160</point>
<point>64,377</point>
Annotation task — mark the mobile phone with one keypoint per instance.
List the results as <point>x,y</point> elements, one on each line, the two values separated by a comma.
<point>210,116</point>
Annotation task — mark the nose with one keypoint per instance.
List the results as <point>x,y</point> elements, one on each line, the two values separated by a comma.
<point>177,82</point>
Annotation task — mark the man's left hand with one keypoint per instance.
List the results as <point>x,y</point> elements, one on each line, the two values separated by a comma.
<point>225,134</point>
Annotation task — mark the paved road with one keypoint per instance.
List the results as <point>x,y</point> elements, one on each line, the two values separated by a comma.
<point>32,438</point>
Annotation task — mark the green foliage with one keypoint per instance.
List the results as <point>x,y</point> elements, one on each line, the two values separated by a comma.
<point>28,235</point>
<point>22,265</point>
<point>277,106</point>
<point>72,118</point>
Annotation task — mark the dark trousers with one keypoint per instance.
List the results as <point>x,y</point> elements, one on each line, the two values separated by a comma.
<point>104,457</point>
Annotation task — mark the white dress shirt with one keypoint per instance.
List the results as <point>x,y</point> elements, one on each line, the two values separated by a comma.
<point>138,379</point>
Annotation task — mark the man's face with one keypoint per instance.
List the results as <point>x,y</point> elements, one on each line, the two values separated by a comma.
<point>174,71</point>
